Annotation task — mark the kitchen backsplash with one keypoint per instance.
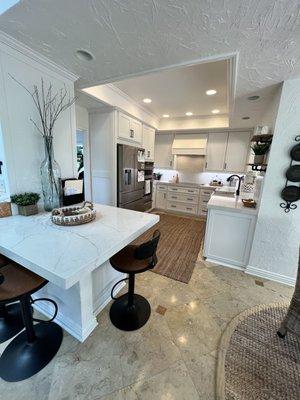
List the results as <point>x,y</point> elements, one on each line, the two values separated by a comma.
<point>201,177</point>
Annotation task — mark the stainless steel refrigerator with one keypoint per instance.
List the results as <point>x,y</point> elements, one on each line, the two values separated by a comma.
<point>131,178</point>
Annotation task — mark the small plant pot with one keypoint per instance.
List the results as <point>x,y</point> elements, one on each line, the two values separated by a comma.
<point>28,210</point>
<point>259,159</point>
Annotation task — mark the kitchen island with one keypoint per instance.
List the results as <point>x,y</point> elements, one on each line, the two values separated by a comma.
<point>75,260</point>
<point>229,231</point>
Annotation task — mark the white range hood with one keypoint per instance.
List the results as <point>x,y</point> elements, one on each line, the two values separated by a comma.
<point>189,144</point>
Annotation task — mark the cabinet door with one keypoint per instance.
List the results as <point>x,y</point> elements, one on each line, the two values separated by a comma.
<point>148,142</point>
<point>124,126</point>
<point>216,151</point>
<point>163,150</point>
<point>135,130</point>
<point>161,199</point>
<point>238,146</point>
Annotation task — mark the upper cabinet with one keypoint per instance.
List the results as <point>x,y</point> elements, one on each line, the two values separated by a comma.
<point>163,151</point>
<point>237,151</point>
<point>148,142</point>
<point>216,151</point>
<point>129,128</point>
<point>227,151</point>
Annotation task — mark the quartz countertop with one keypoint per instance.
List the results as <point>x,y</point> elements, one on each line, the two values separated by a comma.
<point>234,204</point>
<point>63,254</point>
<point>187,184</point>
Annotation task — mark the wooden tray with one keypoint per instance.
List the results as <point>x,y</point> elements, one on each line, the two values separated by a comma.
<point>74,215</point>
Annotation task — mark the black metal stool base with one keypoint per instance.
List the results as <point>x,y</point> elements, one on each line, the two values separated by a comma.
<point>11,323</point>
<point>21,360</point>
<point>130,318</point>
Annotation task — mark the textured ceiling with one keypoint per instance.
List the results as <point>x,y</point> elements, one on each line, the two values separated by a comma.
<point>179,90</point>
<point>134,36</point>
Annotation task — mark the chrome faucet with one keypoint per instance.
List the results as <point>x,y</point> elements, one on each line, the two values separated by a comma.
<point>240,178</point>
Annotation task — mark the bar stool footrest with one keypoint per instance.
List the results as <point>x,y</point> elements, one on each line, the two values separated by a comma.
<point>130,318</point>
<point>21,360</point>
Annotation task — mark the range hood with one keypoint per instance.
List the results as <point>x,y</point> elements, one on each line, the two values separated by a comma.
<point>189,144</point>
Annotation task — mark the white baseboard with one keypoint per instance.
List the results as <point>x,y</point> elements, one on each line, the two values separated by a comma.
<point>272,276</point>
<point>225,264</point>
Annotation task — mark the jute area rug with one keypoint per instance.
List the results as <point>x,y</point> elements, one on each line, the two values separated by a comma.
<point>253,362</point>
<point>178,247</point>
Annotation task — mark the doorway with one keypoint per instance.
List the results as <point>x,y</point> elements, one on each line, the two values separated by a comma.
<point>83,161</point>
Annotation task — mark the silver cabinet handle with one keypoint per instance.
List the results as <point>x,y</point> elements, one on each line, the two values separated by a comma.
<point>148,153</point>
<point>190,191</point>
<point>131,133</point>
<point>172,205</point>
<point>225,165</point>
<point>174,197</point>
<point>170,163</point>
<point>188,208</point>
<point>174,189</point>
<point>206,164</point>
<point>164,195</point>
<point>190,199</point>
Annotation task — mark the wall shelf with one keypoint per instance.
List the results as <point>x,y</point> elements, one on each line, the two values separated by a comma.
<point>262,138</point>
<point>258,167</point>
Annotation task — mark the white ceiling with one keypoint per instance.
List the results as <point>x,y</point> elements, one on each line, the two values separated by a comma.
<point>131,37</point>
<point>180,90</point>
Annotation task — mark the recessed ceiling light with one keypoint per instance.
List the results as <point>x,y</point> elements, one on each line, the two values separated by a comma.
<point>253,97</point>
<point>216,111</point>
<point>166,115</point>
<point>84,55</point>
<point>188,113</point>
<point>210,92</point>
<point>245,117</point>
<point>147,101</point>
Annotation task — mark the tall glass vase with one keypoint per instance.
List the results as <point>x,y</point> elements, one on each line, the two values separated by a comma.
<point>51,178</point>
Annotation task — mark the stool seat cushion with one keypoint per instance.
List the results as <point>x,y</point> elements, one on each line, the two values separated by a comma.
<point>4,260</point>
<point>18,281</point>
<point>125,261</point>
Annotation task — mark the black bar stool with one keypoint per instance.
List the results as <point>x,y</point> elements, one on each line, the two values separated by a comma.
<point>131,311</point>
<point>31,350</point>
<point>11,321</point>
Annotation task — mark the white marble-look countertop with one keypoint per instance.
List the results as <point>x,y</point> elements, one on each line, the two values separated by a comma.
<point>63,254</point>
<point>234,204</point>
<point>186,184</point>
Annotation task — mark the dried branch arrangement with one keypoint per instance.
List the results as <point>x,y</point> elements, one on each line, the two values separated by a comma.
<point>49,105</point>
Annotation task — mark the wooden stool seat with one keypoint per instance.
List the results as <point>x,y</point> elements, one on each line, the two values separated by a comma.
<point>18,281</point>
<point>125,261</point>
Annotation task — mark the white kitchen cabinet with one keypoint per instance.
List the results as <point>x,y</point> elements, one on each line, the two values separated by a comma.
<point>161,199</point>
<point>216,151</point>
<point>238,145</point>
<point>227,151</point>
<point>163,157</point>
<point>129,129</point>
<point>148,142</point>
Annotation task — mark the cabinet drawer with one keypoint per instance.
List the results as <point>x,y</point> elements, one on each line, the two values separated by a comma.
<point>207,192</point>
<point>205,197</point>
<point>161,187</point>
<point>179,189</point>
<point>186,208</point>
<point>182,197</point>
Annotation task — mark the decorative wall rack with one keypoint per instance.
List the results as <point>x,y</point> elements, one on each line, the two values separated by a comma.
<point>291,192</point>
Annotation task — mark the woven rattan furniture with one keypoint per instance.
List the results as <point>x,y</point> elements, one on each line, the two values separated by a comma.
<point>291,322</point>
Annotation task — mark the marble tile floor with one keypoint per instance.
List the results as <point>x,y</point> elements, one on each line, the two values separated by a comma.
<point>173,357</point>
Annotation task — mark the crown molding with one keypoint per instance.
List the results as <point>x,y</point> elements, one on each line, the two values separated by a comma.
<point>26,51</point>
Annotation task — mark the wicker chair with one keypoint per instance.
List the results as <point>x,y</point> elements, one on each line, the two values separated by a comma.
<point>291,322</point>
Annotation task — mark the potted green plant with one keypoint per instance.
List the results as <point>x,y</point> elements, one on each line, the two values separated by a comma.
<point>260,150</point>
<point>26,202</point>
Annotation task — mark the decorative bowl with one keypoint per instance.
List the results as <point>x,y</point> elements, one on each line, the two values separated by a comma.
<point>74,215</point>
<point>250,203</point>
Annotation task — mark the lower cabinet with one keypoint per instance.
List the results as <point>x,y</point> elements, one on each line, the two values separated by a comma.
<point>182,199</point>
<point>228,237</point>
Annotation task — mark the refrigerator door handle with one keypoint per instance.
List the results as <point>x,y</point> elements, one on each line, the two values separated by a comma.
<point>127,177</point>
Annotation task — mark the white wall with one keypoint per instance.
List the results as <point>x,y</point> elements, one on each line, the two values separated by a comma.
<point>23,145</point>
<point>82,118</point>
<point>4,186</point>
<point>275,247</point>
<point>220,121</point>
